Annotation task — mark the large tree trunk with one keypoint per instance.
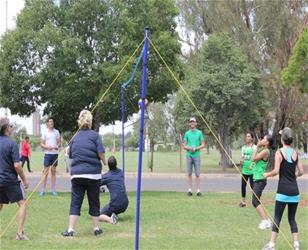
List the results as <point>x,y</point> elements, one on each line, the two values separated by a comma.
<point>225,161</point>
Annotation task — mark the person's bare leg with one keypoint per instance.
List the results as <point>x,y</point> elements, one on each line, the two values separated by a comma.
<point>72,222</point>
<point>95,221</point>
<point>198,183</point>
<point>44,178</point>
<point>53,178</point>
<point>261,212</point>
<point>21,216</point>
<point>105,218</point>
<point>274,237</point>
<point>189,182</point>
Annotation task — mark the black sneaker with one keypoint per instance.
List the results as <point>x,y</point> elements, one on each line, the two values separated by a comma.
<point>199,194</point>
<point>68,234</point>
<point>98,232</point>
<point>189,193</point>
<point>242,204</point>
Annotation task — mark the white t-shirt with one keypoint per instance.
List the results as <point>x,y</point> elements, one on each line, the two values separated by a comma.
<point>51,137</point>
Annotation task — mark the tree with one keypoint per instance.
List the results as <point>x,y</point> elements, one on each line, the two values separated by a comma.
<point>66,56</point>
<point>266,31</point>
<point>226,89</point>
<point>297,71</point>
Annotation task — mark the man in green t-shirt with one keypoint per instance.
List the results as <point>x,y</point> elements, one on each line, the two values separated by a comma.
<point>193,141</point>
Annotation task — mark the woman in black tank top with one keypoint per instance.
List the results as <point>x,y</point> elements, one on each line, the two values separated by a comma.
<point>286,165</point>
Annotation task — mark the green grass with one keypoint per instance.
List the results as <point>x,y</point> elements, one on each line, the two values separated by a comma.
<point>164,162</point>
<point>169,220</point>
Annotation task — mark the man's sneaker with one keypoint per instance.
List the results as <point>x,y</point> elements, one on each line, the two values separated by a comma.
<point>42,193</point>
<point>21,236</point>
<point>189,193</point>
<point>68,234</point>
<point>54,193</point>
<point>269,246</point>
<point>114,218</point>
<point>102,189</point>
<point>265,224</point>
<point>199,194</point>
<point>242,204</point>
<point>296,246</point>
<point>98,232</point>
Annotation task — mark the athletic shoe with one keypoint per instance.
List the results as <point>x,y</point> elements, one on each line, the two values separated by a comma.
<point>296,246</point>
<point>41,193</point>
<point>98,232</point>
<point>21,236</point>
<point>189,193</point>
<point>199,194</point>
<point>114,218</point>
<point>242,204</point>
<point>67,233</point>
<point>102,189</point>
<point>54,193</point>
<point>265,224</point>
<point>268,246</point>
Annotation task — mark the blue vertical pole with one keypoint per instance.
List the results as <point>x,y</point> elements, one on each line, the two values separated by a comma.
<point>143,94</point>
<point>123,120</point>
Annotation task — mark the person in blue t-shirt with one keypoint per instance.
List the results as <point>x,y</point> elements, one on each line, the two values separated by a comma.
<point>86,152</point>
<point>11,190</point>
<point>114,180</point>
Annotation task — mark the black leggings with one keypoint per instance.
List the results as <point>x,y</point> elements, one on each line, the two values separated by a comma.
<point>279,208</point>
<point>244,183</point>
<point>25,159</point>
<point>258,187</point>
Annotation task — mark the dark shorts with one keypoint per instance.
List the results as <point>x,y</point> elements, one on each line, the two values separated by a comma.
<point>50,160</point>
<point>12,193</point>
<point>109,210</point>
<point>258,187</point>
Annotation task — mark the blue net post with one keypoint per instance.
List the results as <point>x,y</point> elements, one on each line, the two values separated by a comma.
<point>123,121</point>
<point>143,94</point>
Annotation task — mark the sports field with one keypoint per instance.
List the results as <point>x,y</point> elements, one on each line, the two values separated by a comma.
<point>169,220</point>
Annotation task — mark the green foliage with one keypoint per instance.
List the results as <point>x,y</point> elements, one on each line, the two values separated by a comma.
<point>224,87</point>
<point>297,71</point>
<point>66,56</point>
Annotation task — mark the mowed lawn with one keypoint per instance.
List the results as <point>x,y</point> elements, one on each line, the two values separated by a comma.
<point>164,162</point>
<point>169,220</point>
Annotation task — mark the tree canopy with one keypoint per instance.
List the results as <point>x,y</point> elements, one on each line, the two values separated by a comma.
<point>65,56</point>
<point>297,71</point>
<point>225,87</point>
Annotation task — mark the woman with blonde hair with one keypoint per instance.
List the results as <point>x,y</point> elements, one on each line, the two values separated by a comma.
<point>86,153</point>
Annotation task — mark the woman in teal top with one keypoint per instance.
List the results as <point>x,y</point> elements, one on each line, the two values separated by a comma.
<point>260,157</point>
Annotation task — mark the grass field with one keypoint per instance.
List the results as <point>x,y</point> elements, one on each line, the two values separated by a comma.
<point>169,220</point>
<point>164,162</point>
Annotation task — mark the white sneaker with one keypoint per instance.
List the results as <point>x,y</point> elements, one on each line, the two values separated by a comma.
<point>296,246</point>
<point>265,224</point>
<point>269,246</point>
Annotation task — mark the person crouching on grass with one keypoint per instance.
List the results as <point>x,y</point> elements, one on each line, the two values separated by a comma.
<point>114,180</point>
<point>261,158</point>
<point>86,151</point>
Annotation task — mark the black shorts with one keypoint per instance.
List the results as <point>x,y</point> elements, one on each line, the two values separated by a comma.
<point>12,193</point>
<point>50,160</point>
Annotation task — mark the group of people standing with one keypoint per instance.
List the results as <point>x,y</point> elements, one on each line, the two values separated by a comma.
<point>254,162</point>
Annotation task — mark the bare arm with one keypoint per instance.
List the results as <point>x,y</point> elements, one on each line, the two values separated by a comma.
<point>258,156</point>
<point>44,145</point>
<point>102,157</point>
<point>201,146</point>
<point>300,168</point>
<point>275,171</point>
<point>185,146</point>
<point>21,174</point>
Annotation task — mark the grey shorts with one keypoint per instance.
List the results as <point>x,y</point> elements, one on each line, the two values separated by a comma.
<point>193,162</point>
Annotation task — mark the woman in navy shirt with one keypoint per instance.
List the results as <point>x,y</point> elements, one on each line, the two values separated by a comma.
<point>86,153</point>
